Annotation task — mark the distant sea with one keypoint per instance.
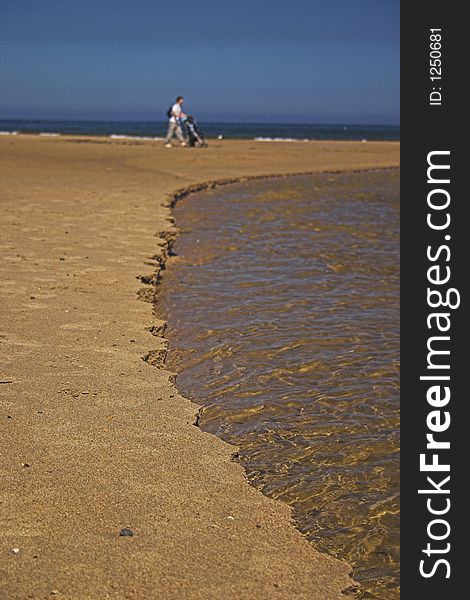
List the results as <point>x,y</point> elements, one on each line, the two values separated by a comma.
<point>157,130</point>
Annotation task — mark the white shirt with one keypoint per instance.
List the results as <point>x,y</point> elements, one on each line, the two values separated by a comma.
<point>176,110</point>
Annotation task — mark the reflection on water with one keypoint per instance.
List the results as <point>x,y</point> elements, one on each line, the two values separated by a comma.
<point>282,305</point>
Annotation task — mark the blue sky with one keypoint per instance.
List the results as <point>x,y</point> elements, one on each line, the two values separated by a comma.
<point>298,61</point>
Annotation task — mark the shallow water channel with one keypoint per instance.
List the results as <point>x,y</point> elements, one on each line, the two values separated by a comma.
<point>283,311</point>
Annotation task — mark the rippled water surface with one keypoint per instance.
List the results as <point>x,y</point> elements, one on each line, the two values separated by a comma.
<point>282,305</point>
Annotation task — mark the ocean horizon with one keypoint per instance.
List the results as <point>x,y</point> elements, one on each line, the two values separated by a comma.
<point>157,130</point>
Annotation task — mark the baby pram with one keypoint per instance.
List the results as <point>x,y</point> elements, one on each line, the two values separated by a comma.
<point>195,136</point>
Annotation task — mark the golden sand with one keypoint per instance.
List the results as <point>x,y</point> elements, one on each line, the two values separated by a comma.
<point>95,439</point>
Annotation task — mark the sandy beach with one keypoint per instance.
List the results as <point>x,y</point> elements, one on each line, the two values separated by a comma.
<point>95,437</point>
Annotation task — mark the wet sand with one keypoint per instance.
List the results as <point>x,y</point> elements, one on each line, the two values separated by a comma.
<point>95,439</point>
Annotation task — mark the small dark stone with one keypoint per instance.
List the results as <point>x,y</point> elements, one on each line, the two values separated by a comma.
<point>61,258</point>
<point>125,532</point>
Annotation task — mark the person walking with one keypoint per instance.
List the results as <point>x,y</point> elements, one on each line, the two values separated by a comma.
<point>174,125</point>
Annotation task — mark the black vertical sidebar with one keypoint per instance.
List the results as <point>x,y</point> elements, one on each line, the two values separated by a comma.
<point>434,523</point>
